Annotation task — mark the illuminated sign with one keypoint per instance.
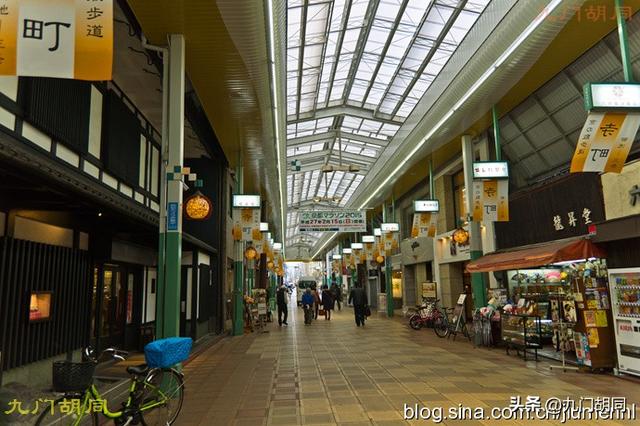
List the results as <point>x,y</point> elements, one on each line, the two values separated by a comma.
<point>346,251</point>
<point>610,96</point>
<point>356,246</point>
<point>277,246</point>
<point>264,227</point>
<point>491,170</point>
<point>337,257</point>
<point>246,201</point>
<point>426,206</point>
<point>377,232</point>
<point>369,239</point>
<point>390,227</point>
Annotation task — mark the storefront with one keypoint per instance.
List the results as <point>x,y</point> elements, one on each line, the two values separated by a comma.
<point>553,277</point>
<point>620,236</point>
<point>417,270</point>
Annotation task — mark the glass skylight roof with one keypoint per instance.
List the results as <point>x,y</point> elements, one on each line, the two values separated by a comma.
<point>356,69</point>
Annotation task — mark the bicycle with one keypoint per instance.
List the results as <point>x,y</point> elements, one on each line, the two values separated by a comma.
<point>155,394</point>
<point>441,324</point>
<point>425,315</point>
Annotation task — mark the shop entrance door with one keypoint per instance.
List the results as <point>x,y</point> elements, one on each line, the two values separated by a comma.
<point>109,307</point>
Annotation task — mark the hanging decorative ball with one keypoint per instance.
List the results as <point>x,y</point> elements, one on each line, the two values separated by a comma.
<point>270,264</point>
<point>198,207</point>
<point>461,236</point>
<point>250,253</point>
<point>380,259</point>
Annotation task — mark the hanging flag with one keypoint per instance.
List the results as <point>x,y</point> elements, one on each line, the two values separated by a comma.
<point>491,200</point>
<point>424,225</point>
<point>246,224</point>
<point>605,141</point>
<point>57,38</point>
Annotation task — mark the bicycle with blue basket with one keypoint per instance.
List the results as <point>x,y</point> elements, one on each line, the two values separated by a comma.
<point>156,388</point>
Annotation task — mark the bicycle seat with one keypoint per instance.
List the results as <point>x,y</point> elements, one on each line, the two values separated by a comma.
<point>138,370</point>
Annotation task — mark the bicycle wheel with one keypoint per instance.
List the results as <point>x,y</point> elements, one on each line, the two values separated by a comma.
<point>58,416</point>
<point>441,326</point>
<point>162,397</point>
<point>415,322</point>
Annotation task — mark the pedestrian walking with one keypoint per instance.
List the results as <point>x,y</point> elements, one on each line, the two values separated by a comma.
<point>327,302</point>
<point>358,297</point>
<point>307,305</point>
<point>281,300</point>
<point>316,301</point>
<point>337,294</point>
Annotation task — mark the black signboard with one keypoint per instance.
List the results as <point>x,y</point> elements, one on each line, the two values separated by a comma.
<point>561,209</point>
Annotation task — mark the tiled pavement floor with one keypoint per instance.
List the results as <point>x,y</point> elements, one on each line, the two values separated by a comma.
<point>332,372</point>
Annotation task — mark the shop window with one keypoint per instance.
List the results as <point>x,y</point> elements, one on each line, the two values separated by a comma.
<point>40,306</point>
<point>396,283</point>
<point>459,194</point>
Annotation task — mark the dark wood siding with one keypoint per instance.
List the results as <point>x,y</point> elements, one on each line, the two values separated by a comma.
<point>26,266</point>
<point>121,139</point>
<point>59,107</point>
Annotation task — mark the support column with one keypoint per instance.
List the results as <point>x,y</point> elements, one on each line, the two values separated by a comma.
<point>478,285</point>
<point>387,271</point>
<point>169,324</point>
<point>238,267</point>
<point>624,42</point>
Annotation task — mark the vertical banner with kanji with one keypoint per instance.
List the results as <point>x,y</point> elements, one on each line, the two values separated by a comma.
<point>424,225</point>
<point>390,240</point>
<point>369,250</point>
<point>605,141</point>
<point>246,224</point>
<point>491,200</point>
<point>57,38</point>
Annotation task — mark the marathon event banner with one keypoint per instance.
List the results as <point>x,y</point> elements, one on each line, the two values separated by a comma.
<point>491,200</point>
<point>57,38</point>
<point>333,221</point>
<point>424,225</point>
<point>605,141</point>
<point>246,224</point>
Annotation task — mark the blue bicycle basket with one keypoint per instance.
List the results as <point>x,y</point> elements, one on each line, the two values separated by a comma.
<point>165,353</point>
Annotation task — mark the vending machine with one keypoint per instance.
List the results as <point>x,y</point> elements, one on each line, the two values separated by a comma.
<point>625,296</point>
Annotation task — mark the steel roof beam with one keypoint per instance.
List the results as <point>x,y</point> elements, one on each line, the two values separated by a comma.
<point>354,111</point>
<point>332,135</point>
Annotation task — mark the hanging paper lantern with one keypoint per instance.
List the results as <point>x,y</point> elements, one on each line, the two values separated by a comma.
<point>380,259</point>
<point>198,207</point>
<point>461,236</point>
<point>250,253</point>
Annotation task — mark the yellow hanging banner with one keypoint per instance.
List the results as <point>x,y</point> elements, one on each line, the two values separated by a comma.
<point>605,142</point>
<point>424,225</point>
<point>57,38</point>
<point>491,200</point>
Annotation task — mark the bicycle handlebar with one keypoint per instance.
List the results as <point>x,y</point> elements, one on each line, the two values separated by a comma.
<point>90,354</point>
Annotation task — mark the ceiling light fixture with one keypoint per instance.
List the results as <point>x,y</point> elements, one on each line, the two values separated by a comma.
<point>276,127</point>
<point>512,48</point>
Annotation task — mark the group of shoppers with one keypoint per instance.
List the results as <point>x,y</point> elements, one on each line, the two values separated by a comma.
<point>328,298</point>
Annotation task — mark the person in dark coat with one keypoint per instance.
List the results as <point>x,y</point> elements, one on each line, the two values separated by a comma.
<point>281,300</point>
<point>337,294</point>
<point>307,305</point>
<point>327,302</point>
<point>358,297</point>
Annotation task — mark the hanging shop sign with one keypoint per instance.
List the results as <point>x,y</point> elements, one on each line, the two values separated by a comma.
<point>424,225</point>
<point>611,96</point>
<point>426,206</point>
<point>198,207</point>
<point>333,221</point>
<point>60,39</point>
<point>491,200</point>
<point>605,141</point>
<point>390,237</point>
<point>241,201</point>
<point>246,224</point>
<point>369,250</point>
<point>491,170</point>
<point>390,227</point>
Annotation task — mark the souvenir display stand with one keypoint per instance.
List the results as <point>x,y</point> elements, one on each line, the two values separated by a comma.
<point>521,332</point>
<point>259,308</point>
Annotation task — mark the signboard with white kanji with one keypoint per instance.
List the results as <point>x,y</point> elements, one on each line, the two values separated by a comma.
<point>491,200</point>
<point>605,141</point>
<point>490,170</point>
<point>57,38</point>
<point>333,221</point>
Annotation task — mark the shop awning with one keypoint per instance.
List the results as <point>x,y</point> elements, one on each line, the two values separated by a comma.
<point>537,255</point>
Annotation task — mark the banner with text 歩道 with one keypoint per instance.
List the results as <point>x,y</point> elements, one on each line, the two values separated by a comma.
<point>491,200</point>
<point>57,38</point>
<point>333,221</point>
<point>424,225</point>
<point>605,141</point>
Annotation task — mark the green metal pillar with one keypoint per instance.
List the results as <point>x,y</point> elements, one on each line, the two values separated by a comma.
<point>251,269</point>
<point>432,194</point>
<point>387,267</point>
<point>272,293</point>
<point>624,42</point>
<point>238,266</point>
<point>496,133</point>
<point>478,284</point>
<point>169,315</point>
